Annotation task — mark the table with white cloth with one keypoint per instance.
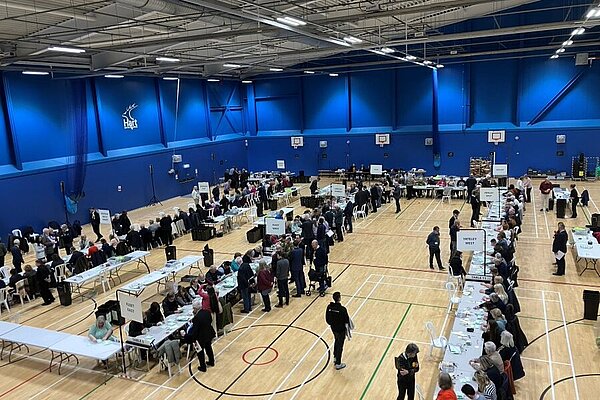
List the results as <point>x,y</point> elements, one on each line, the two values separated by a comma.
<point>166,273</point>
<point>286,210</point>
<point>464,346</point>
<point>237,213</point>
<point>588,249</point>
<point>82,346</point>
<point>229,282</point>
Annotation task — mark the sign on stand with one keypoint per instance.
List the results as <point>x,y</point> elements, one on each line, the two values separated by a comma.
<point>470,240</point>
<point>338,190</point>
<point>203,187</point>
<point>488,194</point>
<point>376,169</point>
<point>104,217</point>
<point>275,226</point>
<point>500,170</point>
<point>131,307</point>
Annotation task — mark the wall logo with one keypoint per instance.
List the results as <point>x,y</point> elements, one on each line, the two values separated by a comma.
<point>129,122</point>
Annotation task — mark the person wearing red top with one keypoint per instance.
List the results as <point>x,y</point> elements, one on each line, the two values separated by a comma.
<point>446,392</point>
<point>545,190</point>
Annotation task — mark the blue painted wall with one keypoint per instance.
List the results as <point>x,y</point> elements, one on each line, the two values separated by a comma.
<point>191,113</point>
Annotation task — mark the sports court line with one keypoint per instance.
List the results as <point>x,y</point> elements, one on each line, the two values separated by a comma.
<point>380,212</point>
<point>544,361</point>
<point>537,229</point>
<point>272,342</point>
<point>410,228</point>
<point>362,396</point>
<point>409,286</point>
<point>547,228</point>
<point>562,310</point>
<point>402,209</point>
<point>23,382</point>
<point>315,343</point>
<point>391,338</point>
<point>550,368</point>
<point>429,216</point>
<point>399,302</point>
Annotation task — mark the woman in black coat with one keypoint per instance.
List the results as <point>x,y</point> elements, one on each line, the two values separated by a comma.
<point>508,352</point>
<point>44,278</point>
<point>202,333</point>
<point>166,229</point>
<point>514,327</point>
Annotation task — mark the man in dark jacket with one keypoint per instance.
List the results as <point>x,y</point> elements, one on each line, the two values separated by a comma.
<point>337,318</point>
<point>244,275</point>
<point>308,235</point>
<point>320,262</point>
<point>17,256</point>
<point>202,333</point>
<point>348,215</point>
<point>314,186</point>
<point>95,222</point>
<point>125,223</point>
<point>374,197</point>
<point>407,365</point>
<point>433,242</point>
<point>338,222</point>
<point>559,248</point>
<point>397,193</point>
<point>297,269</point>
<point>282,273</point>
<point>471,184</point>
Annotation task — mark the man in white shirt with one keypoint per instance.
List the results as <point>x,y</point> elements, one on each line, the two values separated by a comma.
<point>196,195</point>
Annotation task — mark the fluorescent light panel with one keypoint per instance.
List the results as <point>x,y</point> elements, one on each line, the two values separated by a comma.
<point>568,43</point>
<point>578,31</point>
<point>246,81</point>
<point>333,74</point>
<point>34,73</point>
<point>66,49</point>
<point>561,50</point>
<point>170,78</point>
<point>554,56</point>
<point>167,59</point>
<point>309,72</point>
<point>410,58</point>
<point>232,65</point>
<point>213,80</point>
<point>593,13</point>
<point>352,40</point>
<point>275,69</point>
<point>427,62</point>
<point>439,66</point>
<point>291,21</point>
<point>388,50</point>
<point>113,76</point>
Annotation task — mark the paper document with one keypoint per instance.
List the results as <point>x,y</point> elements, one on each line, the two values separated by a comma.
<point>559,255</point>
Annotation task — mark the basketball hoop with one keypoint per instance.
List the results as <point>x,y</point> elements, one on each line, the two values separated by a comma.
<point>496,137</point>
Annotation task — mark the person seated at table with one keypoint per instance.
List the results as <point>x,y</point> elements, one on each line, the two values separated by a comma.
<point>14,278</point>
<point>75,255</point>
<point>514,327</point>
<point>470,392</point>
<point>92,248</point>
<point>56,260</point>
<point>509,352</point>
<point>490,359</point>
<point>136,328</point>
<point>170,305</point>
<point>101,330</point>
<point>501,266</point>
<point>494,302</point>
<point>499,290</point>
<point>485,386</point>
<point>153,315</point>
<point>491,332</point>
<point>134,239</point>
<point>446,387</point>
<point>456,265</point>
<point>257,253</point>
<point>107,249</point>
<point>30,275</point>
<point>236,262</point>
<point>213,275</point>
<point>489,287</point>
<point>182,296</point>
<point>193,289</point>
<point>497,316</point>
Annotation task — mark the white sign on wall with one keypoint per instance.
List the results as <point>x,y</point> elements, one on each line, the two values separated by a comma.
<point>488,194</point>
<point>376,169</point>
<point>275,226</point>
<point>203,187</point>
<point>470,240</point>
<point>104,217</point>
<point>500,170</point>
<point>280,164</point>
<point>338,190</point>
<point>129,122</point>
<point>131,307</point>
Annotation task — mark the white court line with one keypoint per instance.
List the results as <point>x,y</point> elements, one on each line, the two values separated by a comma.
<point>324,353</point>
<point>410,228</point>
<point>566,329</point>
<point>413,278</point>
<point>550,369</point>
<point>547,229</point>
<point>380,213</point>
<point>537,229</point>
<point>544,361</point>
<point>429,215</point>
<point>593,202</point>
<point>408,286</point>
<point>390,338</point>
<point>533,298</point>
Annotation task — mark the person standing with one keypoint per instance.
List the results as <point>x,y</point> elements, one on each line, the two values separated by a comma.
<point>559,248</point>
<point>545,189</point>
<point>410,183</point>
<point>454,237</point>
<point>433,242</point>
<point>527,186</point>
<point>471,183</point>
<point>196,195</point>
<point>348,215</point>
<point>451,221</point>
<point>17,256</point>
<point>397,193</point>
<point>475,207</point>
<point>3,252</point>
<point>201,333</point>
<point>95,222</point>
<point>283,273</point>
<point>338,222</point>
<point>407,365</point>
<point>297,268</point>
<point>44,279</point>
<point>337,318</point>
<point>308,235</point>
<point>320,262</point>
<point>245,274</point>
<point>374,197</point>
<point>264,284</point>
<point>574,200</point>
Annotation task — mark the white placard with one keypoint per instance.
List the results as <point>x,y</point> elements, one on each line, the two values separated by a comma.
<point>500,170</point>
<point>488,194</point>
<point>203,187</point>
<point>104,217</point>
<point>376,169</point>
<point>280,164</point>
<point>338,190</point>
<point>275,226</point>
<point>470,240</point>
<point>131,307</point>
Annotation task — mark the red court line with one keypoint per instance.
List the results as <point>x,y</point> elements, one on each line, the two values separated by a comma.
<point>24,382</point>
<point>263,363</point>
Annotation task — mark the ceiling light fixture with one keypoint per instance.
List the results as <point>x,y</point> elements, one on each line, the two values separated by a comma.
<point>352,40</point>
<point>388,50</point>
<point>213,80</point>
<point>338,41</point>
<point>111,76</point>
<point>246,81</point>
<point>410,57</point>
<point>275,69</point>
<point>232,65</point>
<point>578,31</point>
<point>561,50</point>
<point>381,53</point>
<point>170,78</point>
<point>34,73</point>
<point>554,56</point>
<point>66,49</point>
<point>594,12</point>
<point>333,74</point>
<point>291,21</point>
<point>309,72</point>
<point>568,43</point>
<point>167,59</point>
<point>439,66</point>
<point>427,62</point>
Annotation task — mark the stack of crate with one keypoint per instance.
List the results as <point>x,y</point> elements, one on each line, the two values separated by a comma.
<point>480,166</point>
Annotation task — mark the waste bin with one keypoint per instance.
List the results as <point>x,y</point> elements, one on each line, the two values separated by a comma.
<point>591,299</point>
<point>64,293</point>
<point>209,256</point>
<point>171,253</point>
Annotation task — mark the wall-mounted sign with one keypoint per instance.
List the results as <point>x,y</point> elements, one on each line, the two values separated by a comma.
<point>129,122</point>
<point>280,164</point>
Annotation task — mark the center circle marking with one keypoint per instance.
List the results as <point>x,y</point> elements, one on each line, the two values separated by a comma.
<point>261,363</point>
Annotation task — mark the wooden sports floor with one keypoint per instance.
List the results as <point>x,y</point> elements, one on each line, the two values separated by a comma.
<point>382,272</point>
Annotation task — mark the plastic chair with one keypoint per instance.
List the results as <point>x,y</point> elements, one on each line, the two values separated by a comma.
<point>5,271</point>
<point>17,233</point>
<point>4,299</point>
<point>438,342</point>
<point>419,392</point>
<point>103,279</point>
<point>457,278</point>
<point>452,295</point>
<point>447,194</point>
<point>362,213</point>
<point>60,272</point>
<point>22,292</point>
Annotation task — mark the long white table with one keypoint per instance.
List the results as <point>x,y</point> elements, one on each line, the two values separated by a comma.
<point>106,270</point>
<point>166,273</point>
<point>229,283</point>
<point>262,220</point>
<point>82,346</point>
<point>590,253</point>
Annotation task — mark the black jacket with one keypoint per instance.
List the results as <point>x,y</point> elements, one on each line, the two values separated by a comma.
<point>348,211</point>
<point>245,273</point>
<point>321,259</point>
<point>307,230</point>
<point>296,259</point>
<point>411,364</point>
<point>560,242</point>
<point>201,330</point>
<point>17,256</point>
<point>337,317</point>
